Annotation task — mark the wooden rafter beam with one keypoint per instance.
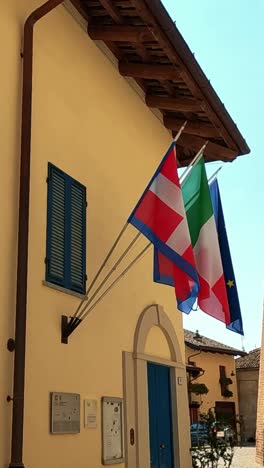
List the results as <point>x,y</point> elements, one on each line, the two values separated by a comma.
<point>213,152</point>
<point>116,15</point>
<point>152,72</point>
<point>174,104</point>
<point>112,10</point>
<point>209,158</point>
<point>168,86</point>
<point>123,11</point>
<point>80,8</point>
<point>120,33</point>
<point>192,128</point>
<point>147,15</point>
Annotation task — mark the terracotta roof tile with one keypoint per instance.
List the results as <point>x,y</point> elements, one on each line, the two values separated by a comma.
<point>251,361</point>
<point>197,341</point>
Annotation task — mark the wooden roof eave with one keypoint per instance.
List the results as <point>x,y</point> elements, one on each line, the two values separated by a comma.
<point>256,368</point>
<point>194,369</point>
<point>206,115</point>
<point>198,75</point>
<point>212,349</point>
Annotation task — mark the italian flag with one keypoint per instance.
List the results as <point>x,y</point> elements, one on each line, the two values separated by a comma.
<point>212,298</point>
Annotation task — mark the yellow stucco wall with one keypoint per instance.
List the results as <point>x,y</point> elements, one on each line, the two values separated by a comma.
<point>10,88</point>
<point>157,344</point>
<point>210,362</point>
<point>88,121</point>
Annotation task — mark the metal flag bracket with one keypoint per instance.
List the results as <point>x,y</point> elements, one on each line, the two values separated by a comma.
<point>68,325</point>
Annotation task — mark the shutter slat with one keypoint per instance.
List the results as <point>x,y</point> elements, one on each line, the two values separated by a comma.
<point>66,231</point>
<point>56,227</point>
<point>77,236</point>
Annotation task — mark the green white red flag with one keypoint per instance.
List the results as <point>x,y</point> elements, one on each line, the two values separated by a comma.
<point>212,298</point>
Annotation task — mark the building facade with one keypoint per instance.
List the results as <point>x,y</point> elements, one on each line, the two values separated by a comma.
<point>247,372</point>
<point>213,364</point>
<point>89,148</point>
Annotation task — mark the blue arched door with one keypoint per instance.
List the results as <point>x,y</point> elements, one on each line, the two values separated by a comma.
<point>160,418</point>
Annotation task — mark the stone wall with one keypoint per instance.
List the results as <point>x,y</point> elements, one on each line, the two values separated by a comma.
<point>247,383</point>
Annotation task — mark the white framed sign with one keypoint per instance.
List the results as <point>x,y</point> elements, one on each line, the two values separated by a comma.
<point>90,413</point>
<point>112,431</point>
<point>64,413</point>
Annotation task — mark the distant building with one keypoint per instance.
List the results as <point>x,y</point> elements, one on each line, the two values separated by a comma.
<point>247,372</point>
<point>213,364</point>
<point>260,407</point>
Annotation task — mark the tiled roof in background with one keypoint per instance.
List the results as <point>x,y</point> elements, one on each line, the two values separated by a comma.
<point>196,341</point>
<point>250,361</point>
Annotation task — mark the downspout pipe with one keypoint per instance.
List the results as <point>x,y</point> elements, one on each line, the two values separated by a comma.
<point>23,226</point>
<point>192,355</point>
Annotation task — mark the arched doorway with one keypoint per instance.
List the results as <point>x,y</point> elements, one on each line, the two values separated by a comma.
<point>156,362</point>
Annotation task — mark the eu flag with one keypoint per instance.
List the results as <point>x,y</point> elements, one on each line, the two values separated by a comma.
<point>236,323</point>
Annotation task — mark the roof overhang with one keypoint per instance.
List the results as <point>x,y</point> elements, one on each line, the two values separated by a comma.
<point>194,370</point>
<point>212,349</point>
<point>242,369</point>
<point>150,49</point>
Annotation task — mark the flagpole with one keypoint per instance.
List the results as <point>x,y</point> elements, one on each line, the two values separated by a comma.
<point>213,177</point>
<point>100,269</point>
<point>117,279</point>
<point>81,312</point>
<point>176,138</point>
<point>114,245</point>
<point>242,342</point>
<point>195,160</point>
<point>109,274</point>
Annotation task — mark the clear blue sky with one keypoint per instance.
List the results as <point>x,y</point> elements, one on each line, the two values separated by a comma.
<point>227,38</point>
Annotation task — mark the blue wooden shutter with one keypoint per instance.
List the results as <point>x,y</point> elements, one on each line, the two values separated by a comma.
<point>77,236</point>
<point>55,258</point>
<point>66,231</point>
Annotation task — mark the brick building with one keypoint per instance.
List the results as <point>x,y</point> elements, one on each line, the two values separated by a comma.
<point>260,408</point>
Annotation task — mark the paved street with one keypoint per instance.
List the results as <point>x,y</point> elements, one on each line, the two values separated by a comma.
<point>245,458</point>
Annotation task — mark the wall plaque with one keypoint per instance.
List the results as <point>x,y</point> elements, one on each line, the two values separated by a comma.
<point>65,413</point>
<point>112,427</point>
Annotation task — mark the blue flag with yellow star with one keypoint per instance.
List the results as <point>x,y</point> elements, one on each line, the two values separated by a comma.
<point>236,324</point>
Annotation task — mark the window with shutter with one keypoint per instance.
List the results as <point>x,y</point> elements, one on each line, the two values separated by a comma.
<point>66,231</point>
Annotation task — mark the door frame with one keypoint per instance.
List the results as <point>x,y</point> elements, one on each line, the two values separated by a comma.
<point>227,404</point>
<point>136,392</point>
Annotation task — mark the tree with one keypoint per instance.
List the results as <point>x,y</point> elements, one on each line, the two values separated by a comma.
<point>216,451</point>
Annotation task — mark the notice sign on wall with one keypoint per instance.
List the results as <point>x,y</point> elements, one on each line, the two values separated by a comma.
<point>90,413</point>
<point>64,413</point>
<point>112,426</point>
